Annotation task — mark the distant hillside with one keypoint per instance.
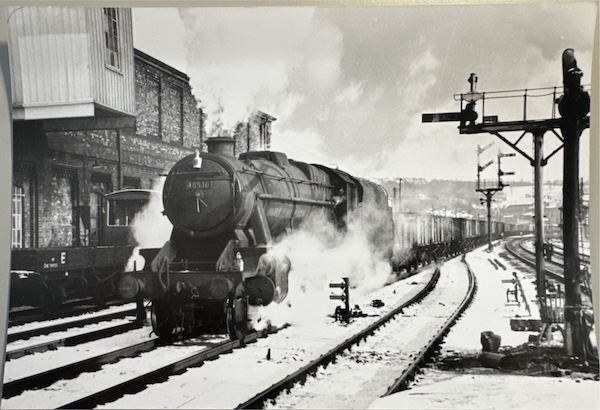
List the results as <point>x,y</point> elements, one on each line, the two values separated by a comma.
<point>460,196</point>
<point>419,194</point>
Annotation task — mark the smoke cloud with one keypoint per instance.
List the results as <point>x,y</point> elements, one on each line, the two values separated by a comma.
<point>150,228</point>
<point>348,85</point>
<point>320,255</point>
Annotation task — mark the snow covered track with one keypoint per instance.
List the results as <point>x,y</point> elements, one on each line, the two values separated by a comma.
<point>20,316</point>
<point>210,350</point>
<point>517,249</point>
<point>71,370</point>
<point>362,374</point>
<point>51,326</point>
<point>146,362</point>
<point>409,373</point>
<point>86,336</point>
<point>521,249</point>
<point>330,356</point>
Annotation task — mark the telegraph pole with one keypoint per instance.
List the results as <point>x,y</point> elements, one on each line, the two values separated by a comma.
<point>573,106</point>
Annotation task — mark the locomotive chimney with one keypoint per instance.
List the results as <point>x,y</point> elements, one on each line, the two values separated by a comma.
<point>221,146</point>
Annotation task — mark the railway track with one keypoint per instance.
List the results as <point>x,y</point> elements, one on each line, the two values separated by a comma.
<point>112,378</point>
<point>85,335</point>
<point>23,315</point>
<point>27,331</point>
<point>517,248</point>
<point>247,377</point>
<point>365,371</point>
<point>166,359</point>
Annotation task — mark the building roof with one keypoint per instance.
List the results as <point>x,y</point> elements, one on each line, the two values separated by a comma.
<point>160,65</point>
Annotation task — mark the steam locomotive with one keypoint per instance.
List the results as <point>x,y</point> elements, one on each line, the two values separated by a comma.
<point>225,213</point>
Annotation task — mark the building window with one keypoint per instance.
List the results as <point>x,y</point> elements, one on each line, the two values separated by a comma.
<point>111,37</point>
<point>95,218</point>
<point>17,216</point>
<point>264,130</point>
<point>153,96</point>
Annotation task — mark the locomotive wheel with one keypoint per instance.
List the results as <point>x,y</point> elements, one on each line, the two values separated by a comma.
<point>161,318</point>
<point>237,317</point>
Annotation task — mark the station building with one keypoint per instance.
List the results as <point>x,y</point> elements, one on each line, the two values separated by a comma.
<point>93,115</point>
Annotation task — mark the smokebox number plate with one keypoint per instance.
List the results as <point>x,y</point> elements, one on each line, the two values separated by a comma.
<point>198,184</point>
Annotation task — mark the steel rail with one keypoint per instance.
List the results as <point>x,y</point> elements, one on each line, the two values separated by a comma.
<point>272,391</point>
<point>402,382</point>
<point>138,383</point>
<point>64,310</point>
<point>26,334</point>
<point>72,370</point>
<point>73,340</point>
<point>553,269</point>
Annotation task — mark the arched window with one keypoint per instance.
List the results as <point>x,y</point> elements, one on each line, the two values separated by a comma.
<point>17,216</point>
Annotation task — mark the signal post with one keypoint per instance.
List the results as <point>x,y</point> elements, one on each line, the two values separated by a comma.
<point>573,106</point>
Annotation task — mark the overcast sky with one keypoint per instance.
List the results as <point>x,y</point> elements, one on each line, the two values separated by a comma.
<point>348,85</point>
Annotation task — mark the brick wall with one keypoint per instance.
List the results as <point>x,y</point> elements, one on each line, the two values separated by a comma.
<point>165,106</point>
<point>254,135</point>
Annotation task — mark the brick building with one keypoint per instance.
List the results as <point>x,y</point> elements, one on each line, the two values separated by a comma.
<point>102,117</point>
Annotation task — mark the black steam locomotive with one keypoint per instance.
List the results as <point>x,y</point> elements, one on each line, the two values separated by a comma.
<point>225,211</point>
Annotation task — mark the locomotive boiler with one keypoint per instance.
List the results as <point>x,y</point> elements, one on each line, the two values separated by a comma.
<point>225,213</point>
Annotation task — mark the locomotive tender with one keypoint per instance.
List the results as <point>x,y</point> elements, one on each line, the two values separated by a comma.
<point>225,213</point>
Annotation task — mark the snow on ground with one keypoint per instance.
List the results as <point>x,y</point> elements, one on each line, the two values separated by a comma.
<point>46,323</point>
<point>488,389</point>
<point>36,340</point>
<point>38,362</point>
<point>235,377</point>
<point>368,369</point>
<point>454,391</point>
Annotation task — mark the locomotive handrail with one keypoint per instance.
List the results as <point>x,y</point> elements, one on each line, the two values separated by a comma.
<point>195,172</point>
<point>280,178</point>
<point>295,200</point>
